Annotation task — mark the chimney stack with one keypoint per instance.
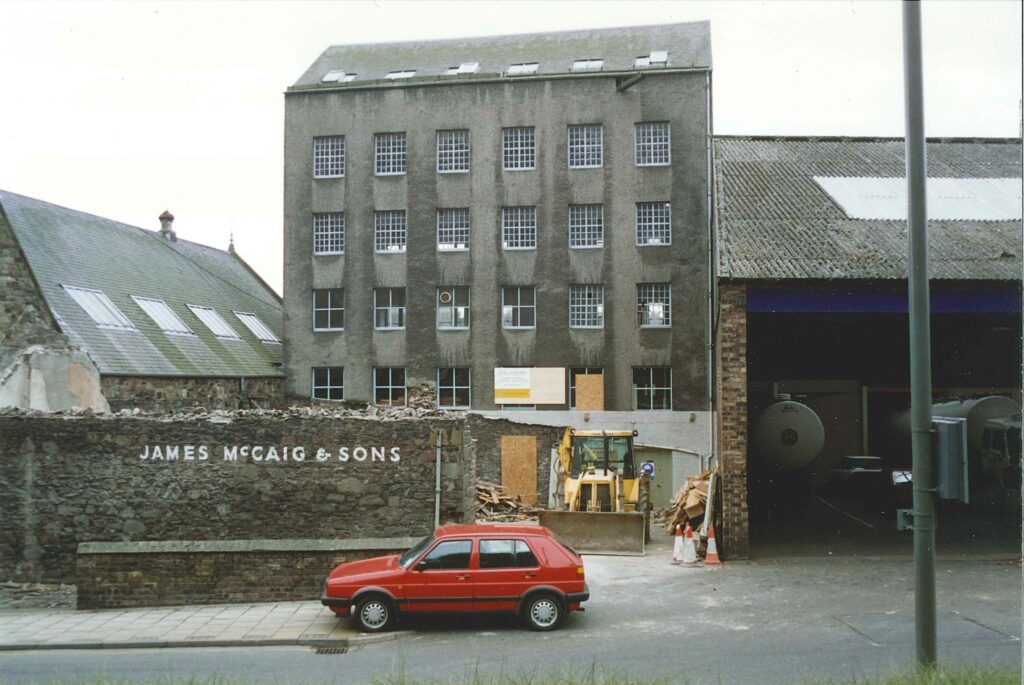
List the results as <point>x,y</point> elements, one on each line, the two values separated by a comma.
<point>166,219</point>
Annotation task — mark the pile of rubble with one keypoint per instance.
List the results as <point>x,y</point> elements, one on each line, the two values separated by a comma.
<point>493,505</point>
<point>690,502</point>
<point>423,408</point>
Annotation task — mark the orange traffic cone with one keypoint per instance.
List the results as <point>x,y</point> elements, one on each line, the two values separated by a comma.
<point>689,548</point>
<point>677,547</point>
<point>711,559</point>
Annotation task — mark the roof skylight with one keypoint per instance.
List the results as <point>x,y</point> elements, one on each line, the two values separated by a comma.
<point>338,76</point>
<point>100,308</point>
<point>657,58</point>
<point>949,199</point>
<point>217,325</point>
<point>404,73</point>
<point>588,65</point>
<point>464,68</point>
<point>523,69</point>
<point>258,328</point>
<point>163,316</point>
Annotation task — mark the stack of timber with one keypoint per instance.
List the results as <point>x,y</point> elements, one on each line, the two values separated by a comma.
<point>492,504</point>
<point>690,503</point>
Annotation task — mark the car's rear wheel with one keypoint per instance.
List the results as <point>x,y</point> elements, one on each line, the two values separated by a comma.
<point>543,612</point>
<point>374,614</point>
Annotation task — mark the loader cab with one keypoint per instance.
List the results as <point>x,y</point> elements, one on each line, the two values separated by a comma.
<point>603,450</point>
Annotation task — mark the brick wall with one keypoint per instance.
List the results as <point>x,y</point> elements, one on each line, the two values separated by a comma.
<point>164,394</point>
<point>486,434</point>
<point>732,417</point>
<point>167,574</point>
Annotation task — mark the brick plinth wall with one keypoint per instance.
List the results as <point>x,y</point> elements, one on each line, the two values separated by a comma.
<point>118,575</point>
<point>732,417</point>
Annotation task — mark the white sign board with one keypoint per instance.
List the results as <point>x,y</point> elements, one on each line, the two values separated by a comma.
<point>525,385</point>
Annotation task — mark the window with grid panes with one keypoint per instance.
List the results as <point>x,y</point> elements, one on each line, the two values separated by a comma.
<point>653,223</point>
<point>328,309</point>
<point>452,151</point>
<point>329,233</point>
<point>654,305</point>
<point>579,371</point>
<point>586,146</point>
<point>328,156</point>
<point>453,388</point>
<point>518,148</point>
<point>586,225</point>
<point>519,228</point>
<point>328,383</point>
<point>453,229</point>
<point>453,307</point>
<point>652,144</point>
<point>388,308</point>
<point>652,387</point>
<point>389,231</point>
<point>389,385</point>
<point>388,154</point>
<point>586,306</point>
<point>519,306</point>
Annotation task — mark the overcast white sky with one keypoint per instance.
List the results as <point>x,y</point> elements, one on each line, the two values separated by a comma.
<point>126,109</point>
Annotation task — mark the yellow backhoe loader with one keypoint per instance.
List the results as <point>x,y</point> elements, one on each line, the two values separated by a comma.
<point>604,497</point>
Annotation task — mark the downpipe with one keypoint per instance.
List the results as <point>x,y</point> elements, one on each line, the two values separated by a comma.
<point>437,481</point>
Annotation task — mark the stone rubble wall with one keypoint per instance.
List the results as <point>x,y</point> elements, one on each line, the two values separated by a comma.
<point>170,394</point>
<point>66,480</point>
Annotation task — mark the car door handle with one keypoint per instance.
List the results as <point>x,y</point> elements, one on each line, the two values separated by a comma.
<point>529,575</point>
<point>461,577</point>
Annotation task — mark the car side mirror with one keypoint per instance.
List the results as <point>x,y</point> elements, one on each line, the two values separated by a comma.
<point>422,566</point>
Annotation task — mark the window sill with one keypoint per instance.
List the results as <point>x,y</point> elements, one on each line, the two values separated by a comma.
<point>328,330</point>
<point>586,247</point>
<point>390,328</point>
<point>320,178</point>
<point>328,254</point>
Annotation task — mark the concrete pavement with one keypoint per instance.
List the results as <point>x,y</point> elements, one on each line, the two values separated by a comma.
<point>229,625</point>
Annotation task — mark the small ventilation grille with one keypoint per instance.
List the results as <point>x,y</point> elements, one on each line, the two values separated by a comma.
<point>331,650</point>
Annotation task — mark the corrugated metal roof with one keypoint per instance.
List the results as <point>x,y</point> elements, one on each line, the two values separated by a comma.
<point>688,46</point>
<point>67,247</point>
<point>776,222</point>
<point>948,199</point>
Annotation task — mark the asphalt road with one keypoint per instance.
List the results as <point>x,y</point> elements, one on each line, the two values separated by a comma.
<point>767,621</point>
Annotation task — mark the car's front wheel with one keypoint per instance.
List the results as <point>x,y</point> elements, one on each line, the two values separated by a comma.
<point>374,614</point>
<point>543,612</point>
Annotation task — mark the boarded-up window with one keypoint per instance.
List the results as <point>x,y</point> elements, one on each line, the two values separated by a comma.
<point>590,392</point>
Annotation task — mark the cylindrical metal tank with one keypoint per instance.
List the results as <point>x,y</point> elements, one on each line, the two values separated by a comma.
<point>977,411</point>
<point>787,435</point>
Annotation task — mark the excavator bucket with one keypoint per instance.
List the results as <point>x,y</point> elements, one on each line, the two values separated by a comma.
<point>593,532</point>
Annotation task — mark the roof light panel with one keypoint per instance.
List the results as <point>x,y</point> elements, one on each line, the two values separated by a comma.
<point>217,325</point>
<point>523,69</point>
<point>404,73</point>
<point>258,328</point>
<point>333,76</point>
<point>659,57</point>
<point>100,308</point>
<point>163,316</point>
<point>588,65</point>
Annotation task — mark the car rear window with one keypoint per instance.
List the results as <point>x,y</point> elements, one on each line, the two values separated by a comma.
<point>506,554</point>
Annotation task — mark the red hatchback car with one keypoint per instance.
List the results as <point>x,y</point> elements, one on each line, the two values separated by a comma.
<point>464,568</point>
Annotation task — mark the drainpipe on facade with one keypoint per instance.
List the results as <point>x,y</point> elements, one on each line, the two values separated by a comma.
<point>437,481</point>
<point>712,273</point>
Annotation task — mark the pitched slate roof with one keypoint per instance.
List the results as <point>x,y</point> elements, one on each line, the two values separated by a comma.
<point>688,46</point>
<point>67,247</point>
<point>776,222</point>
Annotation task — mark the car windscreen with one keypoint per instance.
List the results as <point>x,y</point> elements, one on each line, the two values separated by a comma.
<point>410,554</point>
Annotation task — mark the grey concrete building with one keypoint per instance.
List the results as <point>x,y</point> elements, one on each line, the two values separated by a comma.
<point>539,201</point>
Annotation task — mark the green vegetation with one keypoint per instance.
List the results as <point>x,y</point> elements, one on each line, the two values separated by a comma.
<point>956,675</point>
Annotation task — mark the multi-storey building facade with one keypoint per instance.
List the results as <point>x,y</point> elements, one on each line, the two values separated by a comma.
<point>458,206</point>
